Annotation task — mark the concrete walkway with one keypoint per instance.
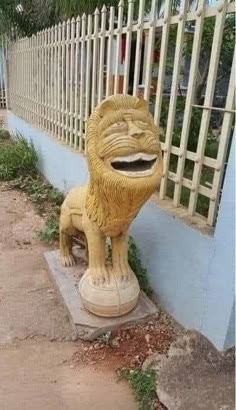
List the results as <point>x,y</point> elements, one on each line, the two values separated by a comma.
<point>36,338</point>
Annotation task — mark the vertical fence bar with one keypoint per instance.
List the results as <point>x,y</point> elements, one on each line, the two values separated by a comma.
<point>88,71</point>
<point>63,106</point>
<point>48,80</point>
<point>138,50</point>
<point>110,52</point>
<point>40,79</point>
<point>55,81</point>
<point>7,99</point>
<point>95,56</point>
<point>162,61</point>
<point>67,78</point>
<point>82,67</point>
<point>118,46</point>
<point>52,82</point>
<point>128,45</point>
<point>72,89</point>
<point>59,68</point>
<point>200,14</point>
<point>206,115</point>
<point>37,37</point>
<point>223,145</point>
<point>173,96</point>
<point>150,50</point>
<point>6,67</point>
<point>45,81</point>
<point>31,93</point>
<point>35,63</point>
<point>20,76</point>
<point>101,60</point>
<point>1,72</point>
<point>77,81</point>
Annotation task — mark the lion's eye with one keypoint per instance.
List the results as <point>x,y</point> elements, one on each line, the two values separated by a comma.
<point>117,124</point>
<point>142,123</point>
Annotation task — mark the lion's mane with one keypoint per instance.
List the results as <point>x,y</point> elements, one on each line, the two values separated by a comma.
<point>113,200</point>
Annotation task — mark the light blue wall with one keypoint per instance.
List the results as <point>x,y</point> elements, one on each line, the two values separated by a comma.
<point>221,289</point>
<point>62,166</point>
<point>191,273</point>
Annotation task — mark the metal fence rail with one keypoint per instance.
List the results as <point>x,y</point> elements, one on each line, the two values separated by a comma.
<point>57,77</point>
<point>3,77</point>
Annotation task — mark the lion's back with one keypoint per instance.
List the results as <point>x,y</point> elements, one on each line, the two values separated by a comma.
<point>76,198</point>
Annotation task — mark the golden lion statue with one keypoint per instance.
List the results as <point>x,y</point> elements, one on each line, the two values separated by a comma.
<point>125,164</point>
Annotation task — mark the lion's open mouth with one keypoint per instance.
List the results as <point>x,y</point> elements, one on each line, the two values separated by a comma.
<point>135,165</point>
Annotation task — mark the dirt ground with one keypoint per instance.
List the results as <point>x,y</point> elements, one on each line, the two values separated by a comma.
<point>42,364</point>
<point>36,339</point>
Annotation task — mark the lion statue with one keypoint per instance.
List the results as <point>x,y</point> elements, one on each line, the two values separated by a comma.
<point>125,165</point>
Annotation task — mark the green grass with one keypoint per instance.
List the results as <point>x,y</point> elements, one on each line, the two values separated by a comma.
<point>50,232</point>
<point>137,267</point>
<point>18,161</point>
<point>47,201</point>
<point>143,385</point>
<point>17,158</point>
<point>4,135</point>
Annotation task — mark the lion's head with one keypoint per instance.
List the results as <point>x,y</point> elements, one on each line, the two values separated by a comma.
<point>125,161</point>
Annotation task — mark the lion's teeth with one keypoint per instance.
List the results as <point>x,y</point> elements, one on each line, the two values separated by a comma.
<point>135,157</point>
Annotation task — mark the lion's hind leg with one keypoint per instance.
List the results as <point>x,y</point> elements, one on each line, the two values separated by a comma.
<point>66,233</point>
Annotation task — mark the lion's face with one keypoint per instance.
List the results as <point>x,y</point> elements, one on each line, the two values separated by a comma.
<point>128,143</point>
<point>125,161</point>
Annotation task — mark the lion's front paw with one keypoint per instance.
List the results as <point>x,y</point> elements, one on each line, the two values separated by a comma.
<point>123,272</point>
<point>99,276</point>
<point>68,260</point>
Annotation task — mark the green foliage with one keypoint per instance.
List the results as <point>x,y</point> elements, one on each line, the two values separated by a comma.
<point>143,385</point>
<point>42,194</point>
<point>17,159</point>
<point>137,267</point>
<point>47,201</point>
<point>50,232</point>
<point>4,135</point>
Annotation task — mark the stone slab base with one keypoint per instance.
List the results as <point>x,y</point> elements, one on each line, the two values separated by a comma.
<point>87,325</point>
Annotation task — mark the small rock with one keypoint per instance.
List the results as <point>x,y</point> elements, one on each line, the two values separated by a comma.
<point>74,338</point>
<point>147,338</point>
<point>97,346</point>
<point>72,366</point>
<point>52,339</point>
<point>115,343</point>
<point>91,347</point>
<point>85,348</point>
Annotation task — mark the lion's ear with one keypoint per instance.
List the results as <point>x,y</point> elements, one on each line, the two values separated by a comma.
<point>105,107</point>
<point>142,105</point>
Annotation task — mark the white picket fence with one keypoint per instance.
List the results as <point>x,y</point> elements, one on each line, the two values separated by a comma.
<point>57,77</point>
<point>3,77</point>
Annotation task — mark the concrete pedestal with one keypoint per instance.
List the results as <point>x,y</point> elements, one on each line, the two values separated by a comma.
<point>89,326</point>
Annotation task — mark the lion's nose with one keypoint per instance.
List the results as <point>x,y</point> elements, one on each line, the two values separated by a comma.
<point>135,131</point>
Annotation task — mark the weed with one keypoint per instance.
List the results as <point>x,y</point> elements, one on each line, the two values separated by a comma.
<point>51,230</point>
<point>17,159</point>
<point>135,264</point>
<point>4,135</point>
<point>143,385</point>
